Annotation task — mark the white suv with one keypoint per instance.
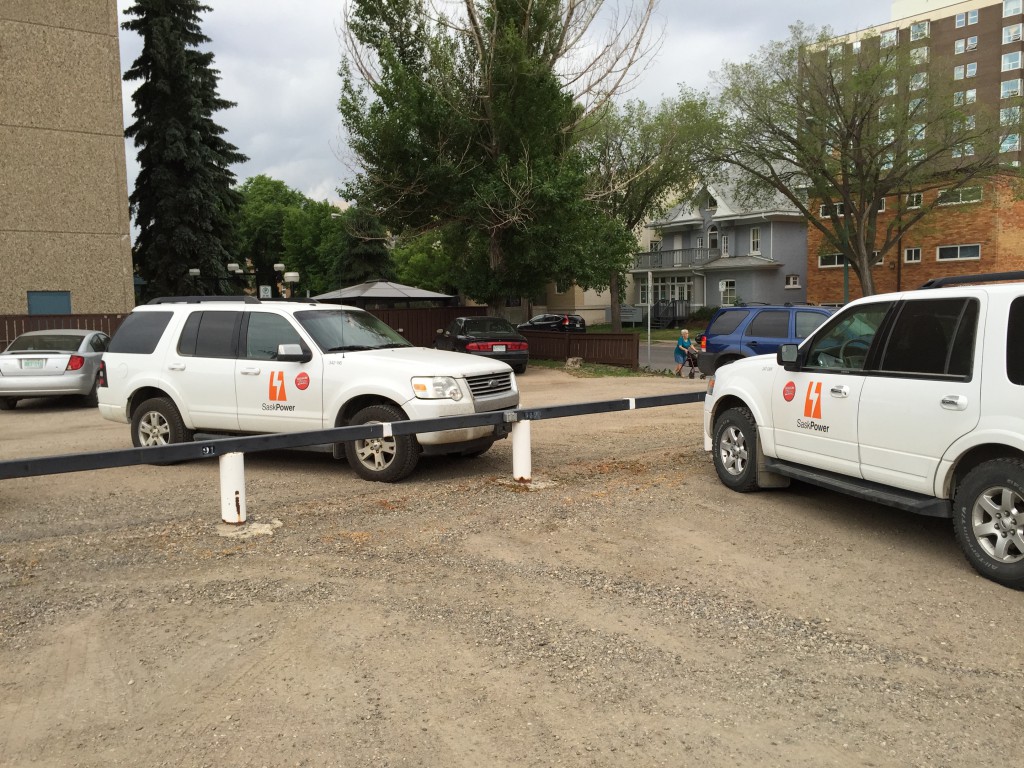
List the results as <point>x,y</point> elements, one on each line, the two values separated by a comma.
<point>236,365</point>
<point>908,399</point>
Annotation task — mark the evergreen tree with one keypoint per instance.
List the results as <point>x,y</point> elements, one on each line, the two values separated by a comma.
<point>183,197</point>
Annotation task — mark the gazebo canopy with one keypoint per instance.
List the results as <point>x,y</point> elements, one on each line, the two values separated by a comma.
<point>377,290</point>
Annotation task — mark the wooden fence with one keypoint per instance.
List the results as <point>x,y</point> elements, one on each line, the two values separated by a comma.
<point>419,326</point>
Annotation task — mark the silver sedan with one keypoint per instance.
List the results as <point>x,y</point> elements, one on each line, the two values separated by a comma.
<point>51,363</point>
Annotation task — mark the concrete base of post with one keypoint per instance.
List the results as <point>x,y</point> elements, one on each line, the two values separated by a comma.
<point>232,488</point>
<point>522,462</point>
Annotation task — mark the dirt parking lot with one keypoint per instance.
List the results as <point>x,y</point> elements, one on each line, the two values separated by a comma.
<point>625,610</point>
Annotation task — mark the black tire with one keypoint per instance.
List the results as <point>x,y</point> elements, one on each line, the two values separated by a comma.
<point>91,400</point>
<point>158,422</point>
<point>988,520</point>
<point>8,403</point>
<point>386,459</point>
<point>520,369</point>
<point>734,449</point>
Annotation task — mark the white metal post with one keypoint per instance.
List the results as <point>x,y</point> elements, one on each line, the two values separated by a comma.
<point>232,488</point>
<point>522,464</point>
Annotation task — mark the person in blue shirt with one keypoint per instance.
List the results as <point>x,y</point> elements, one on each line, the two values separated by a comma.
<point>685,350</point>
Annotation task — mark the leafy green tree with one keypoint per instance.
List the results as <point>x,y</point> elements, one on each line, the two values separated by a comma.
<point>183,199</point>
<point>469,125</point>
<point>266,206</point>
<point>839,126</point>
<point>643,159</point>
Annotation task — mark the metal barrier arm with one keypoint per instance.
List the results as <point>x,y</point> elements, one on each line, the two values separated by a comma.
<point>210,449</point>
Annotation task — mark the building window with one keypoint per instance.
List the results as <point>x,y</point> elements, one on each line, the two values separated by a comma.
<point>1009,88</point>
<point>725,245</point>
<point>728,291</point>
<point>1011,61</point>
<point>963,19</point>
<point>962,71</point>
<point>911,255</point>
<point>1010,143</point>
<point>713,237</point>
<point>917,132</point>
<point>755,240</point>
<point>855,46</point>
<point>881,205</point>
<point>958,252</point>
<point>919,80</point>
<point>792,281</point>
<point>655,245</point>
<point>700,241</point>
<point>964,150</point>
<point>919,30</point>
<point>965,97</point>
<point>823,210</point>
<point>919,55</point>
<point>914,200</point>
<point>889,38</point>
<point>1009,115</point>
<point>831,260</point>
<point>1011,34</point>
<point>962,195</point>
<point>965,44</point>
<point>1011,7</point>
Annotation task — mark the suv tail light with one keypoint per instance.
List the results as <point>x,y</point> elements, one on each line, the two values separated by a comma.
<point>101,375</point>
<point>75,363</point>
<point>703,343</point>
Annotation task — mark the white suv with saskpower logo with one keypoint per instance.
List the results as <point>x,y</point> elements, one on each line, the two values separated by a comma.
<point>914,400</point>
<point>236,365</point>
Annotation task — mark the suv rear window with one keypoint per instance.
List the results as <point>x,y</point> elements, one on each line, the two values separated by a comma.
<point>139,333</point>
<point>770,323</point>
<point>727,322</point>
<point>210,334</point>
<point>807,323</point>
<point>933,337</point>
<point>1015,343</point>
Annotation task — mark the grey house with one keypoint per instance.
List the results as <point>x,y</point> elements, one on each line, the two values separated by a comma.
<point>720,252</point>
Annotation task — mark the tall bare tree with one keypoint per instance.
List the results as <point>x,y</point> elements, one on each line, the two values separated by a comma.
<point>837,126</point>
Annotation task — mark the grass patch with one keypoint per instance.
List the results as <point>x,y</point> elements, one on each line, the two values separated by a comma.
<point>657,334</point>
<point>595,370</point>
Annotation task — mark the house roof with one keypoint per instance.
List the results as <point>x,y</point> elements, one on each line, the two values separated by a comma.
<point>733,263</point>
<point>729,207</point>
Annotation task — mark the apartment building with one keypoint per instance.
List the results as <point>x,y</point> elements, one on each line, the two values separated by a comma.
<point>977,46</point>
<point>64,236</point>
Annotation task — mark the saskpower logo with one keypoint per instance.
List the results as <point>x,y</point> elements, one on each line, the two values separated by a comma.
<point>277,394</point>
<point>812,409</point>
<point>812,403</point>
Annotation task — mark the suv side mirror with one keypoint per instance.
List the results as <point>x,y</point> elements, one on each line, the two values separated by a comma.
<point>788,356</point>
<point>293,353</point>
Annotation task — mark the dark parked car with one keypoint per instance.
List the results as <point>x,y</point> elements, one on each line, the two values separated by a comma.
<point>554,322</point>
<point>492,337</point>
<point>50,363</point>
<point>748,330</point>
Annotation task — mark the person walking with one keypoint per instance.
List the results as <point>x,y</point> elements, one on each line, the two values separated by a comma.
<point>684,351</point>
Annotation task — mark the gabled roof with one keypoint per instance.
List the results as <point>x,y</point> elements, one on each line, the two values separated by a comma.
<point>728,207</point>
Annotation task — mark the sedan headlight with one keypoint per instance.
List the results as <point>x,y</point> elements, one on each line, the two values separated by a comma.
<point>436,388</point>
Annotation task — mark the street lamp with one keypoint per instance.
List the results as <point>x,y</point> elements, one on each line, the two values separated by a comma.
<point>291,279</point>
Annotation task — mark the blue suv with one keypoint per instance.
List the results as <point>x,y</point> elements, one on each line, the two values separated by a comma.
<point>747,330</point>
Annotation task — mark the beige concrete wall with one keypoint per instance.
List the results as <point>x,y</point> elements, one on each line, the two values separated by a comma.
<point>63,186</point>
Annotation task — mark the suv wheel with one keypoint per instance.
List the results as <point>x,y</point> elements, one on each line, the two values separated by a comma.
<point>158,422</point>
<point>988,519</point>
<point>385,459</point>
<point>734,449</point>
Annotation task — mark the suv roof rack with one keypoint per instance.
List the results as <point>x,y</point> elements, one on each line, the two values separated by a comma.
<point>994,277</point>
<point>202,299</point>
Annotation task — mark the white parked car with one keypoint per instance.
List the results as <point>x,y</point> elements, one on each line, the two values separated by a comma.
<point>908,399</point>
<point>237,365</point>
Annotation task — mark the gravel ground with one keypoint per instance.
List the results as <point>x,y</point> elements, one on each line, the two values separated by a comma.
<point>624,609</point>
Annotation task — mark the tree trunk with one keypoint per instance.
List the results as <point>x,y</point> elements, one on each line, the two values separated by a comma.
<point>613,289</point>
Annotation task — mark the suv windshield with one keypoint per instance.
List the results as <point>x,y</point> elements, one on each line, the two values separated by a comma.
<point>343,330</point>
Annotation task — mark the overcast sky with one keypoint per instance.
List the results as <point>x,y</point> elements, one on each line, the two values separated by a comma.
<point>278,61</point>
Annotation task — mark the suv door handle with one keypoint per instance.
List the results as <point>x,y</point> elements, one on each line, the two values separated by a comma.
<point>176,367</point>
<point>840,390</point>
<point>250,371</point>
<point>954,403</point>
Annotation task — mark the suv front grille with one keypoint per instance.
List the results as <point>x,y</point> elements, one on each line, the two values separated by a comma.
<point>490,384</point>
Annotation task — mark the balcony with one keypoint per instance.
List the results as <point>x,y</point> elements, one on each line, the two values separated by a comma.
<point>680,258</point>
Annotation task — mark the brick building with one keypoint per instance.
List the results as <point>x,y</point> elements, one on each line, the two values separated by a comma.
<point>977,46</point>
<point>64,236</point>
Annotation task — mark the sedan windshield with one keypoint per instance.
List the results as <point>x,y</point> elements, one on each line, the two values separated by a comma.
<point>56,342</point>
<point>346,330</point>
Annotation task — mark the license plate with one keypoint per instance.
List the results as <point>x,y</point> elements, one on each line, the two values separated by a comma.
<point>34,362</point>
<point>499,347</point>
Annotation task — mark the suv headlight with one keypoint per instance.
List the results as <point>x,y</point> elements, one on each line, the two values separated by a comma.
<point>436,388</point>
